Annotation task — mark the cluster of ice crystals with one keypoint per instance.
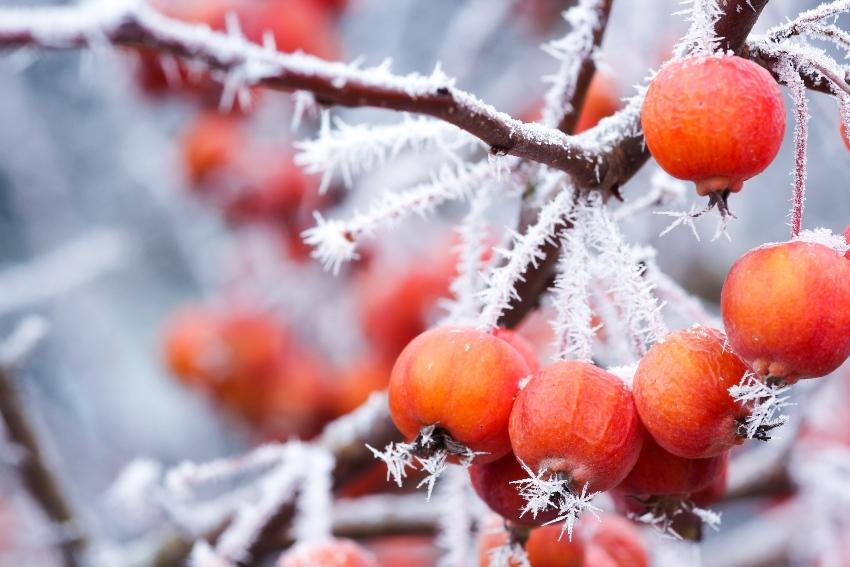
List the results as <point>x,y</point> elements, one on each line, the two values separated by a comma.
<point>765,402</point>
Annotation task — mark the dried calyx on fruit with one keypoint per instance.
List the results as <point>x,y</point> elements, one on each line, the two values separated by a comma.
<point>575,429</point>
<point>451,393</point>
<point>716,120</point>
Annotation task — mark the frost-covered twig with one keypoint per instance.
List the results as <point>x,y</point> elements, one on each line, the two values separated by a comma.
<point>764,401</point>
<point>454,535</point>
<point>575,52</point>
<point>701,38</point>
<point>35,471</point>
<point>812,17</point>
<point>664,191</point>
<point>801,136</point>
<point>573,325</point>
<point>526,251</point>
<point>350,151</point>
<point>132,24</point>
<point>619,266</point>
<point>472,254</point>
<point>335,241</point>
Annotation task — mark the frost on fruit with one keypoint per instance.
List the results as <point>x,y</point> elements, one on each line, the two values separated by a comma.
<point>431,450</point>
<point>511,554</point>
<point>544,491</point>
<point>662,513</point>
<point>824,237</point>
<point>765,400</point>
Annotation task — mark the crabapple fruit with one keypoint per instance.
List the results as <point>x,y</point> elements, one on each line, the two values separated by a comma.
<point>522,346</point>
<point>601,101</point>
<point>661,473</point>
<point>598,557</point>
<point>492,483</point>
<point>544,546</point>
<point>714,491</point>
<point>681,390</point>
<point>716,121</point>
<point>463,381</point>
<point>619,538</point>
<point>786,308</point>
<point>331,552</point>
<point>575,419</point>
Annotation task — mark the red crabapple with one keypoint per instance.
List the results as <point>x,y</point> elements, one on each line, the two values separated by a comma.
<point>714,491</point>
<point>786,308</point>
<point>847,240</point>
<point>462,381</point>
<point>597,557</point>
<point>544,546</point>
<point>601,101</point>
<point>661,473</point>
<point>522,346</point>
<point>716,121</point>
<point>576,420</point>
<point>619,538</point>
<point>681,390</point>
<point>493,483</point>
<point>211,144</point>
<point>332,553</point>
<point>844,137</point>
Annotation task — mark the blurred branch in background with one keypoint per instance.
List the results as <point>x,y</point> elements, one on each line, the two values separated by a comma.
<point>35,472</point>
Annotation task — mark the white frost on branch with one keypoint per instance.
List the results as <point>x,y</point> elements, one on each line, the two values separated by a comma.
<point>314,505</point>
<point>526,250</point>
<point>805,20</point>
<point>511,554</point>
<point>335,241</point>
<point>570,51</point>
<point>346,430</point>
<point>466,287</point>
<point>701,38</point>
<point>664,191</point>
<point>573,325</point>
<point>454,535</point>
<point>764,401</point>
<point>348,151</point>
<point>790,75</point>
<point>622,271</point>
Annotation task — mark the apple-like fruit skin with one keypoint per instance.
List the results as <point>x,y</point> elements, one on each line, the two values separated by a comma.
<point>463,381</point>
<point>576,419</point>
<point>681,390</point>
<point>786,309</point>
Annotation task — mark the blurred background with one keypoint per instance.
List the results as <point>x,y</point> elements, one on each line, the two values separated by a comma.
<point>143,223</point>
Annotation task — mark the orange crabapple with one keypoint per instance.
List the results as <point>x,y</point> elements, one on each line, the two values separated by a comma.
<point>661,473</point>
<point>681,390</point>
<point>404,551</point>
<point>713,120</point>
<point>543,546</point>
<point>786,308</point>
<point>619,538</point>
<point>330,552</point>
<point>579,421</point>
<point>463,382</point>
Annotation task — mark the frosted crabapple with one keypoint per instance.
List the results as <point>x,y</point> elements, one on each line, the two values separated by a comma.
<point>463,382</point>
<point>713,120</point>
<point>577,421</point>
<point>661,473</point>
<point>522,345</point>
<point>619,538</point>
<point>331,552</point>
<point>598,557</point>
<point>494,484</point>
<point>786,308</point>
<point>681,389</point>
<point>544,546</point>
<point>847,240</point>
<point>211,143</point>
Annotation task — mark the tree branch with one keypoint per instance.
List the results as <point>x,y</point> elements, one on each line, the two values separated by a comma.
<point>34,471</point>
<point>130,25</point>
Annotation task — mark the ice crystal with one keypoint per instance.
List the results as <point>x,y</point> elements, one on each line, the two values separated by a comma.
<point>765,402</point>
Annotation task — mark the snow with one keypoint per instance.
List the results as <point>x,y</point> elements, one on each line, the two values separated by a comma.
<point>765,403</point>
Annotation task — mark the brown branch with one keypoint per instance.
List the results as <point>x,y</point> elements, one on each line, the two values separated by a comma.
<point>35,474</point>
<point>330,83</point>
<point>815,76</point>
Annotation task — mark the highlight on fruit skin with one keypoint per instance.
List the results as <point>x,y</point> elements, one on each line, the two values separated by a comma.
<point>619,538</point>
<point>681,390</point>
<point>577,420</point>
<point>463,382</point>
<point>786,309</point>
<point>329,552</point>
<point>713,120</point>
